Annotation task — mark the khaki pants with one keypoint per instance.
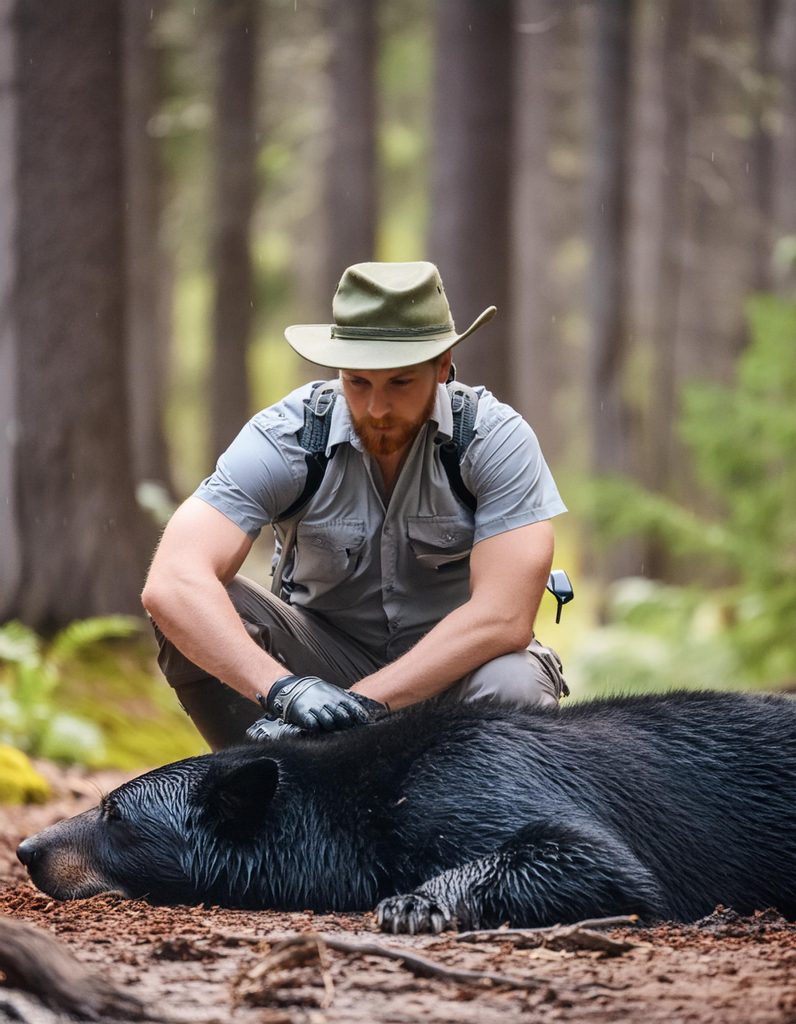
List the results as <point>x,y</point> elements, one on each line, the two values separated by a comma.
<point>306,645</point>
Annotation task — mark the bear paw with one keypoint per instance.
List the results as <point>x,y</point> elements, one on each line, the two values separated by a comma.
<point>411,914</point>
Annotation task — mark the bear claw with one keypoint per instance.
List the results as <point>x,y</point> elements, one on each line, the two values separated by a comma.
<point>412,914</point>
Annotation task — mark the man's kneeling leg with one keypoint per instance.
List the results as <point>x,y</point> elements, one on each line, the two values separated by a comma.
<point>532,678</point>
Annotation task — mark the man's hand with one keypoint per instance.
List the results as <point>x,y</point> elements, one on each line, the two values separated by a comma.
<point>315,705</point>
<point>269,728</point>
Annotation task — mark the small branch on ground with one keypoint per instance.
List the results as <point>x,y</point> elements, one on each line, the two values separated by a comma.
<point>263,983</point>
<point>34,962</point>
<point>425,968</point>
<point>581,935</point>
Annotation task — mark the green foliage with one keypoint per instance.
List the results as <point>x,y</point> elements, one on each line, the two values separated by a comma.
<point>742,440</point>
<point>91,695</point>
<point>659,637</point>
<point>119,687</point>
<point>30,719</point>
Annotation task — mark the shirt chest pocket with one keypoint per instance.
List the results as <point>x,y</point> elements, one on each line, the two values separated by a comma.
<point>328,552</point>
<point>439,541</point>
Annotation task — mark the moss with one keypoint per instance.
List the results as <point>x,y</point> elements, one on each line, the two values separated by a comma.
<point>20,783</point>
<point>118,686</point>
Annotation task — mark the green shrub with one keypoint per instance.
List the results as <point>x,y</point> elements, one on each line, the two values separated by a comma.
<point>29,716</point>
<point>92,695</point>
<point>742,442</point>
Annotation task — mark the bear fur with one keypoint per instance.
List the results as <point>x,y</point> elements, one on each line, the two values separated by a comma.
<point>464,815</point>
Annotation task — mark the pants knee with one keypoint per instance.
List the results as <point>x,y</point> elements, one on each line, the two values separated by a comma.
<point>518,678</point>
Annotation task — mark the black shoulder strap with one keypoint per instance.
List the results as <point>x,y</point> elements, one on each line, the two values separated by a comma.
<point>464,404</point>
<point>314,438</point>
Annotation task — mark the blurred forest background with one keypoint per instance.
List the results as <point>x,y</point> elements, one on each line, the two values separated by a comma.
<point>180,179</point>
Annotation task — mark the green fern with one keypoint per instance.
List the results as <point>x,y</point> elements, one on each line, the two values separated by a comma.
<point>34,674</point>
<point>83,633</point>
<point>19,643</point>
<point>741,438</point>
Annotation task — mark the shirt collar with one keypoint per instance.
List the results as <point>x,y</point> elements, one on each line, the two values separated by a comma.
<point>442,415</point>
<point>342,429</point>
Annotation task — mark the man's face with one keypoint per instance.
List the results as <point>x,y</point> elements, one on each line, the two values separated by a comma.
<point>388,407</point>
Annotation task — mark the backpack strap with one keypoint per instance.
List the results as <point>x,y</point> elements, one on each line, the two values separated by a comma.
<point>464,405</point>
<point>314,438</point>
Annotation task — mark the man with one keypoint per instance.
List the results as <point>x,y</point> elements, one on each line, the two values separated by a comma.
<point>394,590</point>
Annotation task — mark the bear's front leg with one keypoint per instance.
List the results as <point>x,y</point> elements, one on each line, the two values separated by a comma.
<point>545,874</point>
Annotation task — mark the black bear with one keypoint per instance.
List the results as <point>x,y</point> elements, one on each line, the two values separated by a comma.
<point>464,816</point>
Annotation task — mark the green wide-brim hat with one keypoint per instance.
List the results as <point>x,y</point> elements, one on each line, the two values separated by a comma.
<point>386,316</point>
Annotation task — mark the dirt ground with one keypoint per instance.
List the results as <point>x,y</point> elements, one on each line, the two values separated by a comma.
<point>206,965</point>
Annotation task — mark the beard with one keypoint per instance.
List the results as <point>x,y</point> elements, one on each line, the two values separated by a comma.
<point>391,434</point>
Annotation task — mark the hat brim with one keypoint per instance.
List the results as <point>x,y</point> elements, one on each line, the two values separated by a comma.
<point>316,343</point>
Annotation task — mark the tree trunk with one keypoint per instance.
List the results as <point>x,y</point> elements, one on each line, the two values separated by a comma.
<point>785,148</point>
<point>660,173</point>
<point>719,233</point>
<point>469,232</point>
<point>535,366</point>
<point>610,416</point>
<point>82,544</point>
<point>612,427</point>
<point>147,296</point>
<point>10,547</point>
<point>351,168</point>
<point>235,162</point>
<point>761,156</point>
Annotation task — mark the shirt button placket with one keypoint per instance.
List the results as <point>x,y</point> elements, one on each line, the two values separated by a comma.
<point>388,567</point>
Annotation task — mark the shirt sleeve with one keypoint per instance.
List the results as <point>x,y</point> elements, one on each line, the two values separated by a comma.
<point>505,469</point>
<point>263,471</point>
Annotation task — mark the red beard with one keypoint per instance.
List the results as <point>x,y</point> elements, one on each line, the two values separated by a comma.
<point>391,434</point>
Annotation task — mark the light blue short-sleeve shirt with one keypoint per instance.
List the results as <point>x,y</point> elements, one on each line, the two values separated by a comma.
<point>385,574</point>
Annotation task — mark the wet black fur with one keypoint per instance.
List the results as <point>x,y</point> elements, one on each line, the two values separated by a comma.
<point>662,805</point>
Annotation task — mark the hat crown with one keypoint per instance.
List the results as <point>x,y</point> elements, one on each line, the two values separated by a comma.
<point>386,315</point>
<point>399,298</point>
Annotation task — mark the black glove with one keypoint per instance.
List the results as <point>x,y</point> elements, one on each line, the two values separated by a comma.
<point>269,728</point>
<point>313,704</point>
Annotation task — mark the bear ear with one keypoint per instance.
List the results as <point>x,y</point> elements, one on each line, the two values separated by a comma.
<point>235,798</point>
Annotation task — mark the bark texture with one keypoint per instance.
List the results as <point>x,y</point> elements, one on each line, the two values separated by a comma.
<point>147,281</point>
<point>235,180</point>
<point>469,232</point>
<point>81,536</point>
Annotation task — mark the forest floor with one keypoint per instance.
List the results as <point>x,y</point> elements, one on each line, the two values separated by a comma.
<point>210,965</point>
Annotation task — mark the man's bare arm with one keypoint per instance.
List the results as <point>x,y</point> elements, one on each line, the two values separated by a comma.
<point>508,575</point>
<point>200,552</point>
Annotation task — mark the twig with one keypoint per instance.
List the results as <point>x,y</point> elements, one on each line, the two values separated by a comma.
<point>33,961</point>
<point>292,950</point>
<point>423,967</point>
<point>572,936</point>
<point>326,974</point>
<point>288,953</point>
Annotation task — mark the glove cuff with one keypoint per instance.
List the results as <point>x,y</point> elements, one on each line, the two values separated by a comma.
<point>284,691</point>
